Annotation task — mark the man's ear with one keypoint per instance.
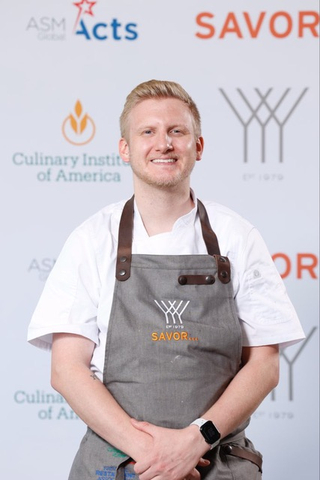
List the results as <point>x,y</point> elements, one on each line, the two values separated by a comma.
<point>199,147</point>
<point>124,150</point>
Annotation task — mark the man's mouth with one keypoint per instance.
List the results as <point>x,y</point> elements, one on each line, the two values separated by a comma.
<point>163,160</point>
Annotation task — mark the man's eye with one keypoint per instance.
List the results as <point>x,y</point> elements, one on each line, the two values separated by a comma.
<point>147,132</point>
<point>176,130</point>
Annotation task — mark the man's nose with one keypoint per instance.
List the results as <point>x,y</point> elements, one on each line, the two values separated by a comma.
<point>164,142</point>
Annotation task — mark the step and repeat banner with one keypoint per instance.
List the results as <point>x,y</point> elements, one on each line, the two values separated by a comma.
<point>67,66</point>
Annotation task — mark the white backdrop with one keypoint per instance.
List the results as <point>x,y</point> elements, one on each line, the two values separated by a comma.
<point>66,69</point>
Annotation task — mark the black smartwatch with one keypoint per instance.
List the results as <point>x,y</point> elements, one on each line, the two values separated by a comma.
<point>209,431</point>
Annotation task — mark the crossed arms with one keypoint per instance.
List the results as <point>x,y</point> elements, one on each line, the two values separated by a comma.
<point>160,453</point>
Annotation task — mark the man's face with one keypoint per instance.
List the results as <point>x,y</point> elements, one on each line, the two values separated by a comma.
<point>161,146</point>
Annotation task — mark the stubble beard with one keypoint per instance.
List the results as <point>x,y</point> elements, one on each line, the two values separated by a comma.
<point>169,182</point>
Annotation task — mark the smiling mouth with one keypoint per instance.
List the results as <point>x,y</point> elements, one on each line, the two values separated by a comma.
<point>163,160</point>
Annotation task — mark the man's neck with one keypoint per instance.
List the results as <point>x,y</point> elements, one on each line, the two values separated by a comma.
<point>160,208</point>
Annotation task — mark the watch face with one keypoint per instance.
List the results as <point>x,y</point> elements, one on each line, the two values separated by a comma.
<point>209,432</point>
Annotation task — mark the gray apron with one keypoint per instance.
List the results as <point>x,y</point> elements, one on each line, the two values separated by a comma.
<point>173,346</point>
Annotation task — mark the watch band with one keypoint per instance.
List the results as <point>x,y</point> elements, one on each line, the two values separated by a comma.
<point>211,429</point>
<point>199,422</point>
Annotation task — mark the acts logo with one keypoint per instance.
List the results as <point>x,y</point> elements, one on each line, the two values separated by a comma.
<point>78,128</point>
<point>112,30</point>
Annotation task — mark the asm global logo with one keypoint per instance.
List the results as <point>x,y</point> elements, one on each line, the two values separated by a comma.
<point>87,24</point>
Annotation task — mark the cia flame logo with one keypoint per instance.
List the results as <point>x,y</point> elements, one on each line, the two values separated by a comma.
<point>78,128</point>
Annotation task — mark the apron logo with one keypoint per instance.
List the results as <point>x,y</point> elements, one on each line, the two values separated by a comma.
<point>106,472</point>
<point>173,311</point>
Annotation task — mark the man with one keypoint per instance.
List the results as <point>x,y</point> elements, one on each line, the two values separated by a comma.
<point>165,332</point>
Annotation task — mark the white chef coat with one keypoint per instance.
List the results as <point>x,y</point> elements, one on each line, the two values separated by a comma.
<point>78,294</point>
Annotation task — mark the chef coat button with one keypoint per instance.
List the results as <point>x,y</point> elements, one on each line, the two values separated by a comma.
<point>182,280</point>
<point>122,273</point>
<point>222,259</point>
<point>224,274</point>
<point>123,259</point>
<point>209,279</point>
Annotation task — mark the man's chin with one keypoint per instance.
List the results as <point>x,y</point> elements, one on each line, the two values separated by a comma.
<point>164,182</point>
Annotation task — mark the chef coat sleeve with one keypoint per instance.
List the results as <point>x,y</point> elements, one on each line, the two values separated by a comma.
<point>69,300</point>
<point>266,313</point>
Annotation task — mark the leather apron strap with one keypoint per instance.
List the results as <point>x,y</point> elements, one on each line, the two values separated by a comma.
<point>125,235</point>
<point>209,237</point>
<point>242,453</point>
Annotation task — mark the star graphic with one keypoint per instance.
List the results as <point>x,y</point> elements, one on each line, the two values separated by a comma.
<point>85,6</point>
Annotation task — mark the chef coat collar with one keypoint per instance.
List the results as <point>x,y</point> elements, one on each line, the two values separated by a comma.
<point>184,221</point>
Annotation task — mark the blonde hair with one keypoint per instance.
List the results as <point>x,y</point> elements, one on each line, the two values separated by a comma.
<point>158,89</point>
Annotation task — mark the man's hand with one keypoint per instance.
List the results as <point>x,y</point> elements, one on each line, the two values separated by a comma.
<point>174,455</point>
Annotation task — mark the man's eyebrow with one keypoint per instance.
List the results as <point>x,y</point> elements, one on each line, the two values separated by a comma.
<point>180,125</point>
<point>150,126</point>
<point>143,126</point>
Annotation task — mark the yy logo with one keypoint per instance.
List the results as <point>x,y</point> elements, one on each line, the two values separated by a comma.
<point>78,128</point>
<point>173,310</point>
<point>290,364</point>
<point>264,111</point>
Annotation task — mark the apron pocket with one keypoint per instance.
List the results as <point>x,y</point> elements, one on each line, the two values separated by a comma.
<point>98,460</point>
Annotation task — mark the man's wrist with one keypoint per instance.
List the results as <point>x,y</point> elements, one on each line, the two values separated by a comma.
<point>209,431</point>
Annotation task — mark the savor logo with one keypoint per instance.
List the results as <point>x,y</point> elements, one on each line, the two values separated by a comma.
<point>257,107</point>
<point>173,310</point>
<point>238,25</point>
<point>301,266</point>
